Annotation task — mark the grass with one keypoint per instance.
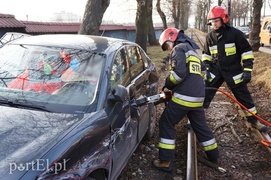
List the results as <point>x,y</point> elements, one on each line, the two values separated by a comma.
<point>262,69</point>
<point>157,56</point>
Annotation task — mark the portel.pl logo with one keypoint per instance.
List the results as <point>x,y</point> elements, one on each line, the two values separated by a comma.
<point>38,165</point>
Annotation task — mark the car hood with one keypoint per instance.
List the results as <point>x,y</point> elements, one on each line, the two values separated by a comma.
<point>26,135</point>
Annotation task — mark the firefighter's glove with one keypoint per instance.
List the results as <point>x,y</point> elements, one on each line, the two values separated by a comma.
<point>166,98</point>
<point>246,76</point>
<point>168,95</point>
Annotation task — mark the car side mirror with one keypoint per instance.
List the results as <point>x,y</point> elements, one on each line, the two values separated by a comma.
<point>118,94</point>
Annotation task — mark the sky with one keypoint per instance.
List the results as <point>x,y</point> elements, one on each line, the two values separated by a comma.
<point>119,11</point>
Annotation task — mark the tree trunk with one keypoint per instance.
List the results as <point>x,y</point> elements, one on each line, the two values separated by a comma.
<point>142,23</point>
<point>161,14</point>
<point>176,13</point>
<point>151,33</point>
<point>93,16</point>
<point>254,38</point>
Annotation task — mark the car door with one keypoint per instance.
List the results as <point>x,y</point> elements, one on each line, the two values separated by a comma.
<point>139,85</point>
<point>264,34</point>
<point>124,128</point>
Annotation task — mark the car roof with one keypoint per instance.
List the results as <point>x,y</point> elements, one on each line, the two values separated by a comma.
<point>74,41</point>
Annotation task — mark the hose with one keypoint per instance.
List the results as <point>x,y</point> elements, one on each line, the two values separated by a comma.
<point>264,142</point>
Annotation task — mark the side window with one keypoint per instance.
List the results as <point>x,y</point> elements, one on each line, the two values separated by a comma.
<point>135,60</point>
<point>266,26</point>
<point>120,70</point>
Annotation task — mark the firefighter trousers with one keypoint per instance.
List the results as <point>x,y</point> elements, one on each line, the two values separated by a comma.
<point>240,92</point>
<point>171,116</point>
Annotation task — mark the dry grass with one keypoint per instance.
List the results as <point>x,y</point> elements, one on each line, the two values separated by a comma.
<point>262,69</point>
<point>156,53</point>
<point>158,56</point>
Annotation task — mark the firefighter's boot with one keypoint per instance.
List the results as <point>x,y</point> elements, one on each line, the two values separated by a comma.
<point>166,166</point>
<point>261,127</point>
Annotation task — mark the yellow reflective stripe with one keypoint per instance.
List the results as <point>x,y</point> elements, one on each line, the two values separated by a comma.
<point>209,142</point>
<point>210,79</point>
<point>188,98</point>
<point>112,78</point>
<point>193,58</point>
<point>166,146</point>
<point>253,110</point>
<point>206,57</point>
<point>230,51</point>
<point>247,55</point>
<point>238,78</point>
<point>210,147</point>
<point>238,81</point>
<point>213,49</point>
<point>247,69</point>
<point>186,103</point>
<point>174,78</point>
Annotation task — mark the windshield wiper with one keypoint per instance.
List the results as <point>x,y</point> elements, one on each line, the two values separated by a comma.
<point>22,103</point>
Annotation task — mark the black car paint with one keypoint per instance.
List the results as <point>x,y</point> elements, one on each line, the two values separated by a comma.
<point>72,146</point>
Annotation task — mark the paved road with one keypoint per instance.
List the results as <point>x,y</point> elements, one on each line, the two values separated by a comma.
<point>265,49</point>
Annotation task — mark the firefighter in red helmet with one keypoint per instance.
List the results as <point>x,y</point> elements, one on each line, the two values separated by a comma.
<point>186,82</point>
<point>229,58</point>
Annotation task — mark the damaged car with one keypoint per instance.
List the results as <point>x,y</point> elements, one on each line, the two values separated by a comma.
<point>68,106</point>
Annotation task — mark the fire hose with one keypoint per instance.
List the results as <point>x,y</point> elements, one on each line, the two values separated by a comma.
<point>165,96</point>
<point>266,143</point>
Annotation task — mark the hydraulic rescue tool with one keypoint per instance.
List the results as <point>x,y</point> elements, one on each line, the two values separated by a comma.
<point>163,96</point>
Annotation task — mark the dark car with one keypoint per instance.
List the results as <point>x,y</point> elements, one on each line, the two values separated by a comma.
<point>11,36</point>
<point>245,30</point>
<point>68,106</point>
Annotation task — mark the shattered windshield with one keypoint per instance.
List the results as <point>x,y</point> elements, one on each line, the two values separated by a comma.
<point>48,75</point>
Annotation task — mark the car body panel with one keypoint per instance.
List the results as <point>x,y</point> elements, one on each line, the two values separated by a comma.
<point>265,36</point>
<point>89,123</point>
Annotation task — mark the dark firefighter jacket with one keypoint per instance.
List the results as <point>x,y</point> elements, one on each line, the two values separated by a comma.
<point>228,48</point>
<point>185,78</point>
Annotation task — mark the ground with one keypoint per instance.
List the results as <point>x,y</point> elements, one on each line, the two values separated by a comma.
<point>243,156</point>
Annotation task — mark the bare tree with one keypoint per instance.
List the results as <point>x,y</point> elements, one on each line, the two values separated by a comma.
<point>142,23</point>
<point>151,33</point>
<point>176,6</point>
<point>254,38</point>
<point>93,16</point>
<point>203,7</point>
<point>239,12</point>
<point>161,14</point>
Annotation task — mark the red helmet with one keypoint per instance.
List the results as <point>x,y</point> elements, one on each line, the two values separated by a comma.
<point>170,34</point>
<point>218,12</point>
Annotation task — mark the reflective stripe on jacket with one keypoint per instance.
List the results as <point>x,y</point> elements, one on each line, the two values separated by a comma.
<point>229,46</point>
<point>186,76</point>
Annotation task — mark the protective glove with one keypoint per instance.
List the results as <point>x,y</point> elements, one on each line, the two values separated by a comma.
<point>246,76</point>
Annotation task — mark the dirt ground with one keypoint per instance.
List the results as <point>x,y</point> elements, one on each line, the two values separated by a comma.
<point>243,156</point>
